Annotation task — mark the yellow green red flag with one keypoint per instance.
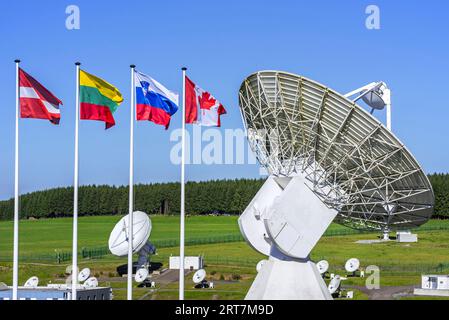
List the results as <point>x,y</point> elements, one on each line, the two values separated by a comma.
<point>98,99</point>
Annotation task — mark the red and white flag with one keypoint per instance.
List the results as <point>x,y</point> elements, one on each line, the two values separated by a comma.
<point>202,102</point>
<point>36,101</point>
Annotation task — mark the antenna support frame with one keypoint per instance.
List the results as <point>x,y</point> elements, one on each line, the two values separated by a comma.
<point>284,221</point>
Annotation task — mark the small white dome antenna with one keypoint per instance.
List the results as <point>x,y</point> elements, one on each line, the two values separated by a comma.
<point>91,283</point>
<point>32,282</point>
<point>335,286</point>
<point>352,265</point>
<point>84,275</point>
<point>376,95</point>
<point>141,275</point>
<point>199,279</point>
<point>323,267</point>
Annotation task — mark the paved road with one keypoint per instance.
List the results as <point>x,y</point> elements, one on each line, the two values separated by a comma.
<point>384,293</point>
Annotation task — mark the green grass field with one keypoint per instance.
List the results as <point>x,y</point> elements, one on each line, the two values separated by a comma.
<point>230,265</point>
<point>48,235</point>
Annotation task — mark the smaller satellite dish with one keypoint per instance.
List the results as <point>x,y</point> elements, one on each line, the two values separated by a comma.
<point>91,283</point>
<point>322,266</point>
<point>260,264</point>
<point>3,286</point>
<point>334,285</point>
<point>141,275</point>
<point>352,265</point>
<point>199,276</point>
<point>32,282</point>
<point>68,270</point>
<point>84,275</point>
<point>118,240</point>
<point>376,98</point>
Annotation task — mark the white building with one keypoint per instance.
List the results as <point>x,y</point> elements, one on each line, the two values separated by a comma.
<point>406,236</point>
<point>434,285</point>
<point>191,263</point>
<point>57,292</point>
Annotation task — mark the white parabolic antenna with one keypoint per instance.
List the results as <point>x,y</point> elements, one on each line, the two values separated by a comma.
<point>352,265</point>
<point>118,240</point>
<point>260,264</point>
<point>84,275</point>
<point>32,282</point>
<point>328,159</point>
<point>322,266</point>
<point>334,285</point>
<point>91,283</point>
<point>141,275</point>
<point>199,276</point>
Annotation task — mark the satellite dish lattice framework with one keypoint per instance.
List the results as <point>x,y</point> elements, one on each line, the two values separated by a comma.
<point>350,160</point>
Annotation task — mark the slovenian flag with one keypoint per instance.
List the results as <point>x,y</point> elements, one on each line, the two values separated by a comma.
<point>154,102</point>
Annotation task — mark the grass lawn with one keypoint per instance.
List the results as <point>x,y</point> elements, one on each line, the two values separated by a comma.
<point>230,265</point>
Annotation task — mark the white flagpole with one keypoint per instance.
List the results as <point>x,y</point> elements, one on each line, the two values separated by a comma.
<point>131,188</point>
<point>15,272</point>
<point>182,213</point>
<point>75,189</point>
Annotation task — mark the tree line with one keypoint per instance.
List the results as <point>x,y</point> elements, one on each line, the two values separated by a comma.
<point>207,197</point>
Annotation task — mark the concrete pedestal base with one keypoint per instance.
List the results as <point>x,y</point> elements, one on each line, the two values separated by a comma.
<point>288,280</point>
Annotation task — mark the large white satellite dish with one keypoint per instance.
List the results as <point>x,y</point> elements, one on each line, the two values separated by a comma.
<point>335,284</point>
<point>118,240</point>
<point>199,276</point>
<point>141,275</point>
<point>328,159</point>
<point>32,282</point>
<point>322,266</point>
<point>91,283</point>
<point>352,265</point>
<point>83,275</point>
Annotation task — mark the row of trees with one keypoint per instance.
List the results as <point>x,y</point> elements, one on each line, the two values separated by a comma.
<point>440,184</point>
<point>219,196</point>
<point>216,196</point>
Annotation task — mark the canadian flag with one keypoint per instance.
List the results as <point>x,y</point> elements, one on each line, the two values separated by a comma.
<point>36,101</point>
<point>210,109</point>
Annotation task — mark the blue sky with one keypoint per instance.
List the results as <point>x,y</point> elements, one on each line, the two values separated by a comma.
<point>221,42</point>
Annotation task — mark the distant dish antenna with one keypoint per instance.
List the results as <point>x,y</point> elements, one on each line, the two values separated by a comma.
<point>32,282</point>
<point>322,266</point>
<point>84,275</point>
<point>352,265</point>
<point>118,240</point>
<point>141,275</point>
<point>3,286</point>
<point>199,276</point>
<point>91,283</point>
<point>334,285</point>
<point>260,264</point>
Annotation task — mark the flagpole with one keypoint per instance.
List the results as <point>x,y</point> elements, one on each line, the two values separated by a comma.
<point>131,188</point>
<point>75,189</point>
<point>15,272</point>
<point>182,213</point>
